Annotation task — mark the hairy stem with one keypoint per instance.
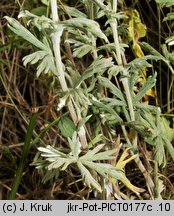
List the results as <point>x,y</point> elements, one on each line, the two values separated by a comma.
<point>61,75</point>
<point>125,82</point>
<point>120,62</point>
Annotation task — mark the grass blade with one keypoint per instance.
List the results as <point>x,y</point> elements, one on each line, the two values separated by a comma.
<point>25,152</point>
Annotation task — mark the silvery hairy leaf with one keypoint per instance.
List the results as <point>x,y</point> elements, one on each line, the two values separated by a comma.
<point>21,31</point>
<point>150,82</point>
<point>85,25</point>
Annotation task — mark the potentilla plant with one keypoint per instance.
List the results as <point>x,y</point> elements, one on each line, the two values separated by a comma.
<point>99,99</point>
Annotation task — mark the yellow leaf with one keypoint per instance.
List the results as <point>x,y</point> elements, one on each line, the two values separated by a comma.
<point>122,164</point>
<point>129,185</point>
<point>150,93</point>
<point>138,51</point>
<point>124,155</point>
<point>136,29</point>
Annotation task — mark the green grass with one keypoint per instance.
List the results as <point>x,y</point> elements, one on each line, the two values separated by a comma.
<point>25,152</point>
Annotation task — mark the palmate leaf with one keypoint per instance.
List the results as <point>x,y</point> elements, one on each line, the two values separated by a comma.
<point>59,160</point>
<point>101,168</point>
<point>148,113</point>
<point>116,173</point>
<point>109,120</point>
<point>142,129</point>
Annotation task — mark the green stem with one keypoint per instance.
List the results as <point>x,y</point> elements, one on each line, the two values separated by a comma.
<point>23,159</point>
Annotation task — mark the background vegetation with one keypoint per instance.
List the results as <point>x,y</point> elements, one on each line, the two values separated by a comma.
<point>108,132</point>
